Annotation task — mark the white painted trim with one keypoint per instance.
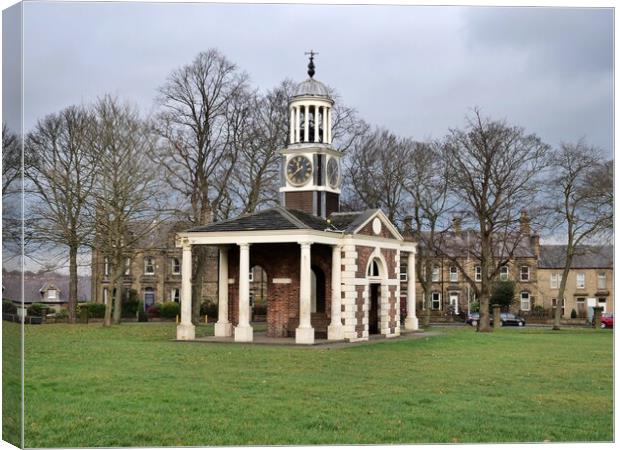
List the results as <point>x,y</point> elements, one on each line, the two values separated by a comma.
<point>231,281</point>
<point>385,221</point>
<point>282,281</point>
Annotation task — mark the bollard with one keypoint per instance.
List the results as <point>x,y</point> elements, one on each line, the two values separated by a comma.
<point>206,319</point>
<point>177,319</point>
<point>497,318</point>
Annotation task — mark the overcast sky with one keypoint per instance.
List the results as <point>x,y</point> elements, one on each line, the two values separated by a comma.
<point>416,70</point>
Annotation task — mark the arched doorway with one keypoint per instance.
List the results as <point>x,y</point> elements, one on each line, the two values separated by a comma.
<point>317,290</point>
<point>258,293</point>
<point>375,273</point>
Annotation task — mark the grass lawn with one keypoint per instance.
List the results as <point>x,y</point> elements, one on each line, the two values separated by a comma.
<point>132,386</point>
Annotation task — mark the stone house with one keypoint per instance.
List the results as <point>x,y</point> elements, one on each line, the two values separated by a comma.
<point>590,280</point>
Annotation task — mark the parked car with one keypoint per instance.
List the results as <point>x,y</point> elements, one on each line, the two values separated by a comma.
<point>507,319</point>
<point>473,319</point>
<point>607,320</point>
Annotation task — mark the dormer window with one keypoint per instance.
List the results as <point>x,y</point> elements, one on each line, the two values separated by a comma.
<point>52,294</point>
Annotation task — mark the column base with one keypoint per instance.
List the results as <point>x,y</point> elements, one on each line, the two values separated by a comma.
<point>304,335</point>
<point>411,323</point>
<point>223,329</point>
<point>335,332</point>
<point>244,334</point>
<point>186,332</point>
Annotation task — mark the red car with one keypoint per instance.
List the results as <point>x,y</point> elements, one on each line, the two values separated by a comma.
<point>607,320</point>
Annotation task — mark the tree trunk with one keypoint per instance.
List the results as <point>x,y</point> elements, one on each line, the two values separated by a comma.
<point>118,300</point>
<point>557,315</point>
<point>426,320</point>
<point>107,318</point>
<point>73,284</point>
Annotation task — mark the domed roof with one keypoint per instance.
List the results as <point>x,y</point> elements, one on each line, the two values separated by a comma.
<point>311,87</point>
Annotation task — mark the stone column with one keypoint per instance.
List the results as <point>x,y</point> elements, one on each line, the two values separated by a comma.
<point>304,334</point>
<point>329,125</point>
<point>186,329</point>
<point>223,327</point>
<point>292,125</point>
<point>411,321</point>
<point>297,123</point>
<point>324,124</point>
<point>335,331</point>
<point>306,124</point>
<point>243,331</point>
<point>316,123</point>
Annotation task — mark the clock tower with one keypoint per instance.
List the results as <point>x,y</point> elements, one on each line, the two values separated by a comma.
<point>310,165</point>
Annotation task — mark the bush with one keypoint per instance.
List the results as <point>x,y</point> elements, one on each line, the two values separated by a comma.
<point>209,309</point>
<point>154,310</point>
<point>8,307</point>
<point>503,294</point>
<point>169,310</point>
<point>142,316</point>
<point>62,313</point>
<point>129,308</point>
<point>573,314</point>
<point>37,309</point>
<point>95,310</point>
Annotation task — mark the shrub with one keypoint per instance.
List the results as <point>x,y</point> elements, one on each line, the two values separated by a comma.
<point>37,309</point>
<point>142,316</point>
<point>503,294</point>
<point>573,314</point>
<point>62,313</point>
<point>154,310</point>
<point>170,310</point>
<point>209,309</point>
<point>129,307</point>
<point>95,310</point>
<point>474,306</point>
<point>8,307</point>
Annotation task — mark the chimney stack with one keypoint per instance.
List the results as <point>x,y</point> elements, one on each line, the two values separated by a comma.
<point>525,223</point>
<point>456,224</point>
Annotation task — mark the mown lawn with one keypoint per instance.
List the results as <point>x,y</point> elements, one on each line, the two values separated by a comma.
<point>132,386</point>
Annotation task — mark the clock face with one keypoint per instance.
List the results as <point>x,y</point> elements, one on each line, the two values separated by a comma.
<point>298,170</point>
<point>333,172</point>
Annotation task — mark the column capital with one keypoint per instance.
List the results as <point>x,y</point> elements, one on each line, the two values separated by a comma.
<point>244,244</point>
<point>186,244</point>
<point>305,243</point>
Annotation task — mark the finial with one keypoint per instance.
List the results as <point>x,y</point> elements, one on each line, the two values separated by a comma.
<point>311,63</point>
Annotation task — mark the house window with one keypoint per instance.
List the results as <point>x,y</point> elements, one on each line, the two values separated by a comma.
<point>176,266</point>
<point>554,303</point>
<point>478,273</point>
<point>251,276</point>
<point>602,280</point>
<point>581,280</point>
<point>435,276</point>
<point>403,272</point>
<point>106,266</point>
<point>149,266</point>
<point>436,300</point>
<point>555,280</point>
<point>503,273</point>
<point>454,274</point>
<point>51,294</point>
<point>525,273</point>
<point>128,266</point>
<point>602,302</point>
<point>176,295</point>
<point>525,301</point>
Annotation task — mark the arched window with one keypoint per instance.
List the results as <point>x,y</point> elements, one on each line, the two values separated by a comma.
<point>373,268</point>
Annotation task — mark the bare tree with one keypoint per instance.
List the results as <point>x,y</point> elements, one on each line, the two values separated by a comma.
<point>376,166</point>
<point>128,196</point>
<point>201,105</point>
<point>495,169</point>
<point>61,180</point>
<point>427,183</point>
<point>11,158</point>
<point>581,200</point>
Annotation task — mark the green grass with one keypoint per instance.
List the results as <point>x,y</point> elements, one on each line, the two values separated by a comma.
<point>11,383</point>
<point>132,386</point>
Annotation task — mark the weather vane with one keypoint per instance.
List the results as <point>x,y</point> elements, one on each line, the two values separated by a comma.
<point>311,63</point>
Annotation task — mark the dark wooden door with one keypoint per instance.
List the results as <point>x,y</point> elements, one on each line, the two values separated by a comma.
<point>373,313</point>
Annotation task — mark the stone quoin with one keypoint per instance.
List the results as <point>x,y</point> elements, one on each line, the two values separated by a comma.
<point>330,274</point>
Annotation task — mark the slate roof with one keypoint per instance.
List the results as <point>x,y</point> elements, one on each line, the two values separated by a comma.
<point>279,218</point>
<point>586,257</point>
<point>459,244</point>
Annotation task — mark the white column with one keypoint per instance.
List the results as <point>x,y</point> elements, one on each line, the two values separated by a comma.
<point>306,124</point>
<point>223,327</point>
<point>304,334</point>
<point>292,124</point>
<point>186,329</point>
<point>324,124</point>
<point>316,123</point>
<point>297,123</point>
<point>335,331</point>
<point>411,321</point>
<point>243,331</point>
<point>329,125</point>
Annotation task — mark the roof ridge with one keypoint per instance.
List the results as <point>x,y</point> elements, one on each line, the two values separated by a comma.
<point>291,217</point>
